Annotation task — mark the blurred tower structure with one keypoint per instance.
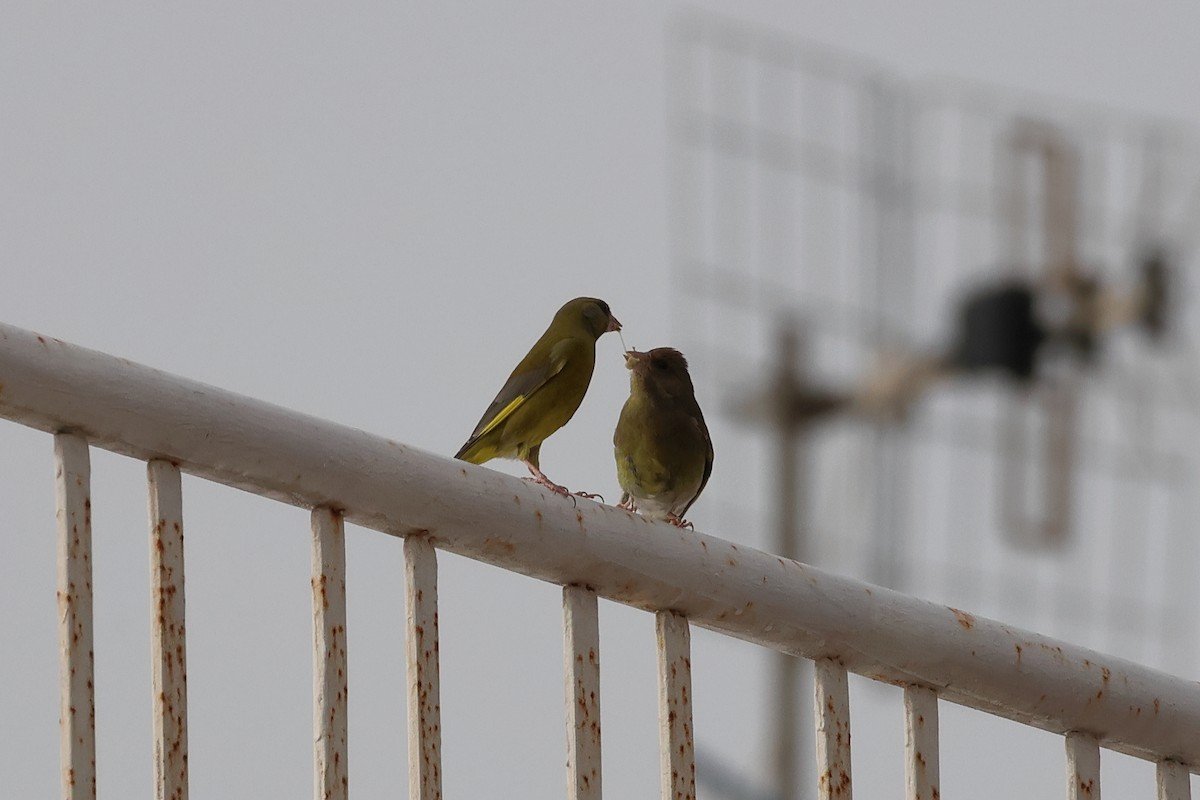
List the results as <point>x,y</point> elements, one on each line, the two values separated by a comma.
<point>830,222</point>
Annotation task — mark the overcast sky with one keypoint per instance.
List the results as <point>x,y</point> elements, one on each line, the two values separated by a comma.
<point>368,214</point>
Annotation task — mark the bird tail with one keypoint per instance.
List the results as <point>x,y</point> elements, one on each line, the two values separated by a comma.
<point>475,452</point>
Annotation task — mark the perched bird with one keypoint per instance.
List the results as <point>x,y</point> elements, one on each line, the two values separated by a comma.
<point>544,390</point>
<point>663,450</point>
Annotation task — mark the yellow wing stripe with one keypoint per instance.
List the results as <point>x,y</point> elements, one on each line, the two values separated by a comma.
<point>503,415</point>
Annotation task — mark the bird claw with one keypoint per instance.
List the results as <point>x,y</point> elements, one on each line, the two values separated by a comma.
<point>546,483</point>
<point>679,522</point>
<point>590,496</point>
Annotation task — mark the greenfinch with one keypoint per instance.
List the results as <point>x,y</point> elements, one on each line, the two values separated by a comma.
<point>663,450</point>
<point>544,390</point>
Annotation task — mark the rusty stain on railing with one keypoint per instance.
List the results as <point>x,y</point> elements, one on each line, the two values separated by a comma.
<point>675,735</point>
<point>1083,766</point>
<point>921,744</point>
<point>330,683</point>
<point>77,716</point>
<point>1173,781</point>
<point>832,711</point>
<point>424,686</point>
<point>581,678</point>
<point>168,642</point>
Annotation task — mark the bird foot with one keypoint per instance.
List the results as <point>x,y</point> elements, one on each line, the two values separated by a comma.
<point>626,504</point>
<point>549,484</point>
<point>540,479</point>
<point>679,522</point>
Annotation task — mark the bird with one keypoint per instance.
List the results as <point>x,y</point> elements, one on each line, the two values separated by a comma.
<point>544,390</point>
<point>662,447</point>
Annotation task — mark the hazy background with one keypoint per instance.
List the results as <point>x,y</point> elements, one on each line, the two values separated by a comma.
<point>368,214</point>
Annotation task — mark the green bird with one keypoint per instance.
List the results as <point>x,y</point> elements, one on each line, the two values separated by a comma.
<point>544,390</point>
<point>663,450</point>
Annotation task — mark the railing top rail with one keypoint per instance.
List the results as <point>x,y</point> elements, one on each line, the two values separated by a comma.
<point>496,518</point>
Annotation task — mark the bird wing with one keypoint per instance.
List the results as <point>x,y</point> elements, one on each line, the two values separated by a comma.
<point>516,391</point>
<point>698,421</point>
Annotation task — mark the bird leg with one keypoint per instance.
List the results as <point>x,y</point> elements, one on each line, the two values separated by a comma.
<point>626,502</point>
<point>540,479</point>
<point>680,522</point>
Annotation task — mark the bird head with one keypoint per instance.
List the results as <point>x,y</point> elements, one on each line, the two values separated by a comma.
<point>593,313</point>
<point>662,370</point>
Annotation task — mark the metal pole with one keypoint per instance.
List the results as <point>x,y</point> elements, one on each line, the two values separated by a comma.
<point>790,702</point>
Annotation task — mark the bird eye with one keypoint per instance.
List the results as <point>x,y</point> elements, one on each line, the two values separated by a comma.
<point>660,365</point>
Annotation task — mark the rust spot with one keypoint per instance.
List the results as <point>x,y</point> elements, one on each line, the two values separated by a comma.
<point>417,532</point>
<point>1156,705</point>
<point>538,513</point>
<point>42,340</point>
<point>1018,648</point>
<point>517,499</point>
<point>964,619</point>
<point>731,562</point>
<point>499,545</point>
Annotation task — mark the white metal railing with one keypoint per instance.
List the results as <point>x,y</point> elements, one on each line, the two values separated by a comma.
<point>88,399</point>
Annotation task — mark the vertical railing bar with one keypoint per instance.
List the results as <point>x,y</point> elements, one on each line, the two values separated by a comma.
<point>675,738</point>
<point>168,643</point>
<point>1083,766</point>
<point>330,686</point>
<point>581,673</point>
<point>832,707</point>
<point>921,743</point>
<point>77,715</point>
<point>1174,781</point>
<point>421,650</point>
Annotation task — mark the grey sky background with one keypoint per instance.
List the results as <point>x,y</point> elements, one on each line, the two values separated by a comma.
<point>368,214</point>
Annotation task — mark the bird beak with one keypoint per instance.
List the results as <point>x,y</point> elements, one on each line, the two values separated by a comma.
<point>613,324</point>
<point>633,357</point>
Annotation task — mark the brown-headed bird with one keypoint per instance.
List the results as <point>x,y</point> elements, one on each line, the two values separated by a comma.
<point>544,390</point>
<point>663,450</point>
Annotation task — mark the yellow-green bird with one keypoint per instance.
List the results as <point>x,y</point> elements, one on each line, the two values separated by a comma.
<point>663,450</point>
<point>544,390</point>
